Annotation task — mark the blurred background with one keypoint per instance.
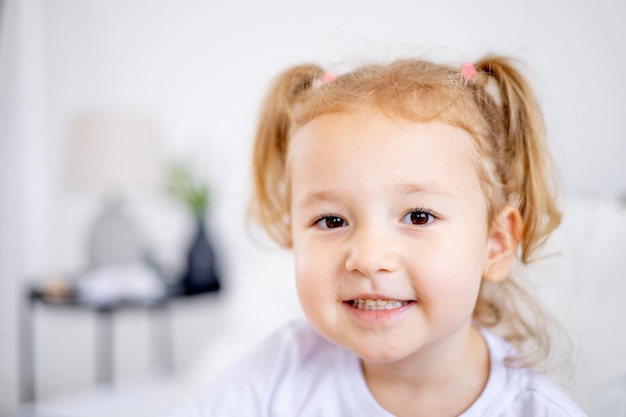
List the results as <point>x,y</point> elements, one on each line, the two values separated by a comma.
<point>107,105</point>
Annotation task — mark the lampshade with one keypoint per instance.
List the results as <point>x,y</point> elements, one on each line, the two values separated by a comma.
<point>113,151</point>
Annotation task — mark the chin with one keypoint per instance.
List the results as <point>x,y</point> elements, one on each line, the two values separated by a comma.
<point>380,354</point>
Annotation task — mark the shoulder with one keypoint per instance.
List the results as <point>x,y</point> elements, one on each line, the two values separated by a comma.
<point>291,346</point>
<point>285,372</point>
<point>286,351</point>
<point>516,391</point>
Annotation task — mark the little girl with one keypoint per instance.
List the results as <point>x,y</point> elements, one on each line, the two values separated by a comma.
<point>406,192</point>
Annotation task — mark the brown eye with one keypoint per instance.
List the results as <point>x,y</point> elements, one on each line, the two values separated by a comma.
<point>418,218</point>
<point>330,222</point>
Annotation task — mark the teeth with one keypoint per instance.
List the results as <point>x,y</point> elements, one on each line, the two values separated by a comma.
<point>368,304</point>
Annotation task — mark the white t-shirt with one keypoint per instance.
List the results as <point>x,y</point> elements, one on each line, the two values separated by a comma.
<point>296,372</point>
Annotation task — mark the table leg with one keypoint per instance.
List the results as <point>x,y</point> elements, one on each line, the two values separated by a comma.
<point>26,350</point>
<point>104,346</point>
<point>162,337</point>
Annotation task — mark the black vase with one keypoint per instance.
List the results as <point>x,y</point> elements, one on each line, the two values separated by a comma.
<point>201,275</point>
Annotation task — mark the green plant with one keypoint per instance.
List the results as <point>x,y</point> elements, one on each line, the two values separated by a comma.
<point>188,188</point>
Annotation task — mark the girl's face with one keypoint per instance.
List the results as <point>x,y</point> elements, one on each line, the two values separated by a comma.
<point>390,232</point>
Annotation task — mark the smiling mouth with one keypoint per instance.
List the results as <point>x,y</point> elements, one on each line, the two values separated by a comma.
<point>377,305</point>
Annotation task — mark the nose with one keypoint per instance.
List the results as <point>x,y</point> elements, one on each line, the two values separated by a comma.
<point>372,250</point>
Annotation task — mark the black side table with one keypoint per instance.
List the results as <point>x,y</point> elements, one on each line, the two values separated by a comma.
<point>105,314</point>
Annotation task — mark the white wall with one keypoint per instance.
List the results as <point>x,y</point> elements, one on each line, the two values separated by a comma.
<point>201,68</point>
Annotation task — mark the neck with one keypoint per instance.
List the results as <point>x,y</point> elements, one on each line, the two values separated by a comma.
<point>439,380</point>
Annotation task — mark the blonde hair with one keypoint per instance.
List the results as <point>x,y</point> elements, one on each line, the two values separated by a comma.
<point>495,106</point>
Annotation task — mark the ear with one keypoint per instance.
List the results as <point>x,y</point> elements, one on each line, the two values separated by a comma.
<point>504,236</point>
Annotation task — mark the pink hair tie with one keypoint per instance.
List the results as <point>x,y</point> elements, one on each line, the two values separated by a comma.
<point>468,71</point>
<point>328,77</point>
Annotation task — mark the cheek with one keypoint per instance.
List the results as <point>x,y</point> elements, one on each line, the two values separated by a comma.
<point>310,254</point>
<point>315,287</point>
<point>318,272</point>
<point>302,271</point>
<point>302,252</point>
<point>308,270</point>
<point>450,297</point>
<point>454,273</point>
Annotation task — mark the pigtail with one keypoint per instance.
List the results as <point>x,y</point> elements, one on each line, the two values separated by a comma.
<point>268,204</point>
<point>524,159</point>
<point>522,165</point>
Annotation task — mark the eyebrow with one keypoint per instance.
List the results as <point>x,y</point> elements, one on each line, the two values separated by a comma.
<point>319,196</point>
<point>405,189</point>
<point>422,188</point>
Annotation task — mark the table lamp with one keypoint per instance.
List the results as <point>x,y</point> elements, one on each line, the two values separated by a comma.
<point>113,153</point>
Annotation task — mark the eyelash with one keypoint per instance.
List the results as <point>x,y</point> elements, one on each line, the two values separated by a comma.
<point>430,217</point>
<point>327,217</point>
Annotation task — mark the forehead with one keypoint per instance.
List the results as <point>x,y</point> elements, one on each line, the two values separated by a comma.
<point>366,148</point>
